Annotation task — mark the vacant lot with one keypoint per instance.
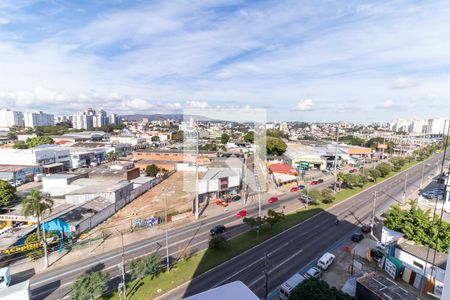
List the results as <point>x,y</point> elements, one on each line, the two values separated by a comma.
<point>151,203</point>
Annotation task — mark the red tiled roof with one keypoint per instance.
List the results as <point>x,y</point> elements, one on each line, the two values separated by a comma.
<point>283,169</point>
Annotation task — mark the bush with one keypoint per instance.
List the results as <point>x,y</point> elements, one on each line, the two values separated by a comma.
<point>384,169</point>
<point>327,196</point>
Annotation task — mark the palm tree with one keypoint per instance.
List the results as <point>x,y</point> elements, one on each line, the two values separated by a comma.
<point>112,157</point>
<point>35,204</point>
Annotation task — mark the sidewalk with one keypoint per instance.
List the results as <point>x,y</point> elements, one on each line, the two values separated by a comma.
<point>114,242</point>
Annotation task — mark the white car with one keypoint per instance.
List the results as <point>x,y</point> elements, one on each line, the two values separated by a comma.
<point>313,272</point>
<point>325,261</point>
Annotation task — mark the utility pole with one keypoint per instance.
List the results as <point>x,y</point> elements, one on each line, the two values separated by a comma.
<point>165,228</point>
<point>124,287</point>
<point>335,158</point>
<point>44,243</point>
<point>384,145</point>
<point>196,175</point>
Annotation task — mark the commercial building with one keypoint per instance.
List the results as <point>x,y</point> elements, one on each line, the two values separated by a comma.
<point>219,183</point>
<point>127,139</point>
<point>13,173</point>
<point>38,119</point>
<point>422,270</point>
<point>178,156</point>
<point>9,118</point>
<point>42,156</point>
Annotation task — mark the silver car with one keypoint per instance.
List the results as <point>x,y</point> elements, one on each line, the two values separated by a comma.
<point>313,272</point>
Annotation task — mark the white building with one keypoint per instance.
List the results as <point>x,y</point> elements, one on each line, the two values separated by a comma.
<point>113,119</point>
<point>35,156</point>
<point>126,139</point>
<point>418,126</point>
<point>38,119</point>
<point>82,121</point>
<point>438,126</point>
<point>9,118</point>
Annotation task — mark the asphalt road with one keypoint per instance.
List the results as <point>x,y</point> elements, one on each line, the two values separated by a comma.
<point>287,252</point>
<point>293,249</point>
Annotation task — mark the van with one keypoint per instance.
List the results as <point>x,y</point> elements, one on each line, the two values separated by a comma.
<point>325,261</point>
<point>290,284</point>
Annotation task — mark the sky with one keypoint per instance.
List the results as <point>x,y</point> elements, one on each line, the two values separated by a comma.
<point>356,61</point>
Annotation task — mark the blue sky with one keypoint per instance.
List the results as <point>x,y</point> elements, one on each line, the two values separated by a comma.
<point>357,61</point>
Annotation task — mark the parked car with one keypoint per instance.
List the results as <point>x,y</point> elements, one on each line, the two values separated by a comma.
<point>218,229</point>
<point>294,189</point>
<point>301,186</point>
<point>236,198</point>
<point>221,202</point>
<point>320,181</point>
<point>307,200</point>
<point>273,199</point>
<point>325,261</point>
<point>242,213</point>
<point>314,182</point>
<point>313,272</point>
<point>366,228</point>
<point>353,170</point>
<point>376,254</point>
<point>289,285</point>
<point>357,237</point>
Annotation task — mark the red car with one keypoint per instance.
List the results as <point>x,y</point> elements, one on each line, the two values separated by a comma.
<point>221,202</point>
<point>273,199</point>
<point>314,182</point>
<point>242,213</point>
<point>294,189</point>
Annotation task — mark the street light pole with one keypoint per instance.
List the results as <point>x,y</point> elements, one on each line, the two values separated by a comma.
<point>44,244</point>
<point>373,211</point>
<point>423,171</point>
<point>404,189</point>
<point>335,158</point>
<point>124,287</point>
<point>196,176</point>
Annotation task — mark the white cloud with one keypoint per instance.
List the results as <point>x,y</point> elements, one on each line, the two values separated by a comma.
<point>305,105</point>
<point>404,83</point>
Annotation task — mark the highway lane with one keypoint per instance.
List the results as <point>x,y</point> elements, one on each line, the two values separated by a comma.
<point>56,283</point>
<point>289,251</point>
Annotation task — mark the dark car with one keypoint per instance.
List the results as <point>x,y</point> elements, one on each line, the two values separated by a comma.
<point>366,228</point>
<point>376,254</point>
<point>301,186</point>
<point>357,237</point>
<point>236,198</point>
<point>218,229</point>
<point>319,180</point>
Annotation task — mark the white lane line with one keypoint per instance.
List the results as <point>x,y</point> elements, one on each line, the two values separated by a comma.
<point>277,266</point>
<point>248,266</point>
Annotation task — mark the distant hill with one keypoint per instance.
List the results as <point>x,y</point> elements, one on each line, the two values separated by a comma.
<point>158,117</point>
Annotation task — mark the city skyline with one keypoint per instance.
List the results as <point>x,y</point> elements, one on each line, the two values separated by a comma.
<point>361,62</point>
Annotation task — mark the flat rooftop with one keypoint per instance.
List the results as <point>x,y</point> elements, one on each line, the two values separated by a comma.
<point>385,288</point>
<point>14,168</point>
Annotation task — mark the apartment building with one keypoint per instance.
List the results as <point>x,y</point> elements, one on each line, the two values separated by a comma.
<point>38,119</point>
<point>9,118</point>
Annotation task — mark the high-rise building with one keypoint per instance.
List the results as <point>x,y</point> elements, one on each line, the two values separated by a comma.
<point>113,119</point>
<point>82,121</point>
<point>100,119</point>
<point>438,126</point>
<point>9,118</point>
<point>38,119</point>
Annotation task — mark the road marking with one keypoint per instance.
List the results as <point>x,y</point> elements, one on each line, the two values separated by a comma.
<point>278,266</point>
<point>248,266</point>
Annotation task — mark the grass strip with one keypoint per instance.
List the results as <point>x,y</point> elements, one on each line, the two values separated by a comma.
<point>153,286</point>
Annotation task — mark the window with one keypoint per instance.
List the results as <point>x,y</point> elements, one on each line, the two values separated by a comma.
<point>415,263</point>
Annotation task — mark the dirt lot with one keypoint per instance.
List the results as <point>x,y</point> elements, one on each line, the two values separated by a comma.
<point>151,203</point>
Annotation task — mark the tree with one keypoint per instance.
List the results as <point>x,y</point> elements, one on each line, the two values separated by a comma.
<point>112,156</point>
<point>374,174</point>
<point>35,204</point>
<point>147,265</point>
<point>155,138</point>
<point>417,225</point>
<point>249,137</point>
<point>318,290</point>
<point>274,217</point>
<point>277,133</point>
<point>327,196</point>
<point>39,140</point>
<point>224,138</point>
<point>252,222</point>
<point>178,136</point>
<point>12,136</point>
<point>20,145</point>
<point>217,242</point>
<point>384,169</point>
<point>39,252</point>
<point>152,170</point>
<point>275,146</point>
<point>7,193</point>
<point>88,286</point>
